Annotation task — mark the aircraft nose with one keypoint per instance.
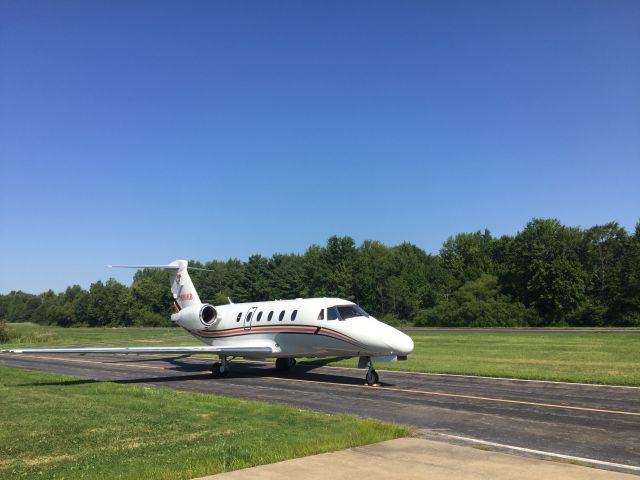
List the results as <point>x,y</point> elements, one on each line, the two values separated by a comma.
<point>400,343</point>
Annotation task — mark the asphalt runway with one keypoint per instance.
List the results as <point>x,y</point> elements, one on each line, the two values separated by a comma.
<point>594,422</point>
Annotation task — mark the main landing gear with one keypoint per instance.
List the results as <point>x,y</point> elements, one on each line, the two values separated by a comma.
<point>221,368</point>
<point>371,377</point>
<point>285,364</point>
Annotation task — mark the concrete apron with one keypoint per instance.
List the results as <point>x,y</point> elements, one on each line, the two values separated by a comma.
<point>418,458</point>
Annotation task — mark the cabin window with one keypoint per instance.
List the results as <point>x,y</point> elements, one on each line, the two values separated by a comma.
<point>270,316</point>
<point>281,317</point>
<point>321,315</point>
<point>239,317</point>
<point>249,317</point>
<point>259,317</point>
<point>332,313</point>
<point>293,315</point>
<point>350,311</point>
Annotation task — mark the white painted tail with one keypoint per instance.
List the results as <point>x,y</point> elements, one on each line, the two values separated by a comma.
<point>184,293</point>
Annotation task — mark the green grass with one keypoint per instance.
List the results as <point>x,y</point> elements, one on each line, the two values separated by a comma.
<point>607,358</point>
<point>22,334</point>
<point>66,428</point>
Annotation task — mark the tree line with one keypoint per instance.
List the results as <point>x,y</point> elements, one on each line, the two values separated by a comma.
<point>547,274</point>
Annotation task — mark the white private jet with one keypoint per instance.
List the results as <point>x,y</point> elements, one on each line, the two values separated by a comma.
<point>284,329</point>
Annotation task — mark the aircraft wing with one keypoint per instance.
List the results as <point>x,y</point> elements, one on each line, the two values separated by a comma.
<point>255,351</point>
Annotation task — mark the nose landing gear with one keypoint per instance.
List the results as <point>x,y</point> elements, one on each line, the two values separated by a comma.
<point>371,378</point>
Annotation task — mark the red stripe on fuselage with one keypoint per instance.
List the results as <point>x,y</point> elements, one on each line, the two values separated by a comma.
<point>237,331</point>
<point>278,329</point>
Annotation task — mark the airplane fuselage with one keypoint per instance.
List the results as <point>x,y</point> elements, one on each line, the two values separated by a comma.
<point>315,327</point>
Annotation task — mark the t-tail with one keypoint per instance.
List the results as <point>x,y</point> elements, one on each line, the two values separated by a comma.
<point>191,313</point>
<point>184,293</point>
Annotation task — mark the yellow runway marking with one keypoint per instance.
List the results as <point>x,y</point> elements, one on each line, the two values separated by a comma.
<point>471,397</point>
<point>383,389</point>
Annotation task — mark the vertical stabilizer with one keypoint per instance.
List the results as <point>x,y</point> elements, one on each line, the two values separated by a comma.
<point>184,293</point>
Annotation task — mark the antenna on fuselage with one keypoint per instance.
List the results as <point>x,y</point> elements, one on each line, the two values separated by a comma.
<point>230,301</point>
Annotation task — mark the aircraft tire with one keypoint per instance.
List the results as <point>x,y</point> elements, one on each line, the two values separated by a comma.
<point>372,377</point>
<point>216,370</point>
<point>282,364</point>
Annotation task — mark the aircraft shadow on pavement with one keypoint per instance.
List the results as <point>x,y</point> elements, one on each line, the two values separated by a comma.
<point>238,371</point>
<point>205,364</point>
<point>201,370</point>
<point>247,372</point>
<point>178,363</point>
<point>248,369</point>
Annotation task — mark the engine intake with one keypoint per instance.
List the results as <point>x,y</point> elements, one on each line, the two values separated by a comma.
<point>208,314</point>
<point>196,317</point>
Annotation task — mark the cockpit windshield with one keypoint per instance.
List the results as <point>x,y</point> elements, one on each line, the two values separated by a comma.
<point>350,311</point>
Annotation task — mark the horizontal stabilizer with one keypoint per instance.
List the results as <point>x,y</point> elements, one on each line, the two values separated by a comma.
<point>238,351</point>
<point>157,267</point>
<point>167,268</point>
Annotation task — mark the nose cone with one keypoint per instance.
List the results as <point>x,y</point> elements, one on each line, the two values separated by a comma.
<point>399,343</point>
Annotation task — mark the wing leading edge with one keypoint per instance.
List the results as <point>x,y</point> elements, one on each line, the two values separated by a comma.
<point>237,351</point>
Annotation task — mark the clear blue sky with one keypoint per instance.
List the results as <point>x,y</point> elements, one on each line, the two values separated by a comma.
<point>149,131</point>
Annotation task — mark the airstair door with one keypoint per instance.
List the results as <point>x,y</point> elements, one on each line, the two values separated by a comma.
<point>248,317</point>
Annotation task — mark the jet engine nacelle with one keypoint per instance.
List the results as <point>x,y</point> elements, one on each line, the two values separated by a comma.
<point>196,317</point>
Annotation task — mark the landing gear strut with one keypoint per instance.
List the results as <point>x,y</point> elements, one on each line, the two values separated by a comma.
<point>220,369</point>
<point>285,364</point>
<point>372,376</point>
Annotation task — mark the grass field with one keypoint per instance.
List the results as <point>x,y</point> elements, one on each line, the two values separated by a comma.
<point>23,334</point>
<point>608,358</point>
<point>67,428</point>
